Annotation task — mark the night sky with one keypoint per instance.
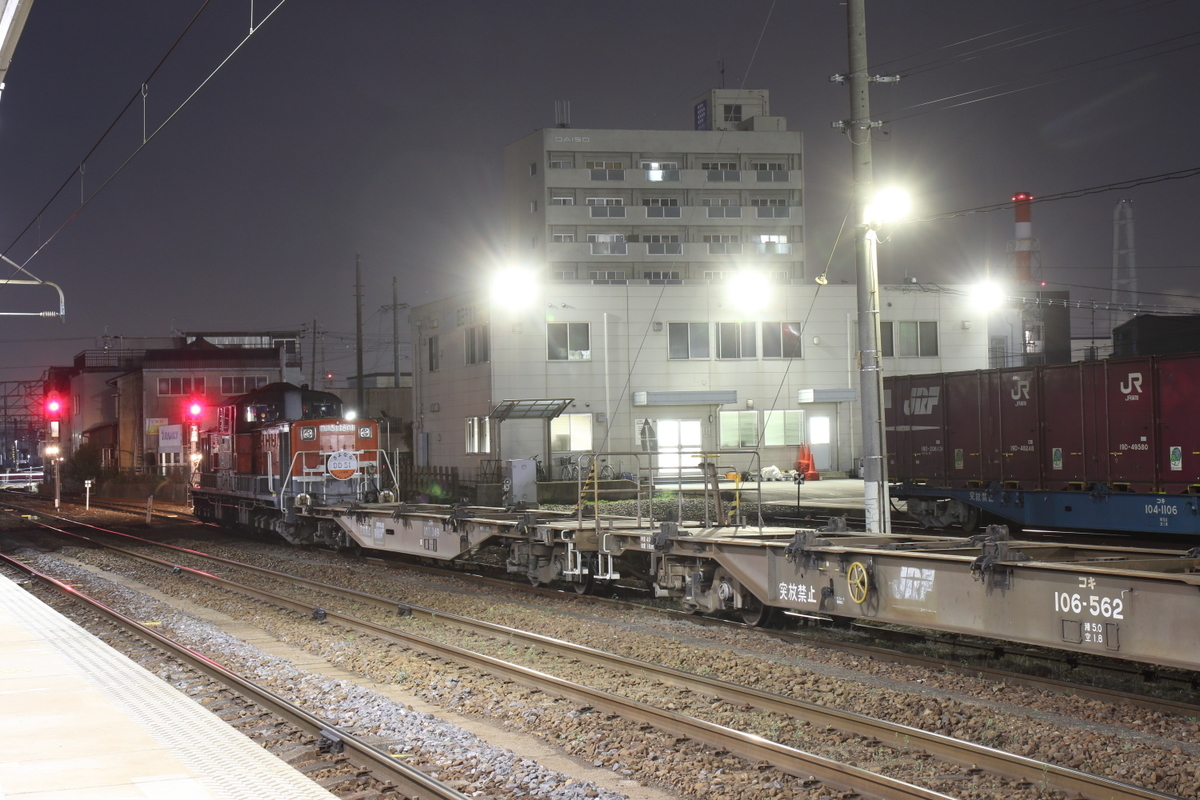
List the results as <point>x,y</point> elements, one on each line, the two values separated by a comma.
<point>378,127</point>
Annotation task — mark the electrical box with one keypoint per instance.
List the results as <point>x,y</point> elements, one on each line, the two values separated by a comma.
<point>520,481</point>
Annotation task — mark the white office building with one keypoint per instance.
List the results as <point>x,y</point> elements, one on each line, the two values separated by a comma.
<point>673,314</point>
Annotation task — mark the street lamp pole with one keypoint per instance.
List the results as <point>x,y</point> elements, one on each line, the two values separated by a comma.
<point>858,129</point>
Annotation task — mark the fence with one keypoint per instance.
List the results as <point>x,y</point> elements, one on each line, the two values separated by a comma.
<point>436,484</point>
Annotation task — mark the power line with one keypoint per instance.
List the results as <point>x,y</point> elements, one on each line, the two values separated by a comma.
<point>147,138</point>
<point>1072,194</point>
<point>1044,83</point>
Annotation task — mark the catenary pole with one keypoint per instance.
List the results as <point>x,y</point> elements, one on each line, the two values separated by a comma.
<point>858,130</point>
<point>361,398</point>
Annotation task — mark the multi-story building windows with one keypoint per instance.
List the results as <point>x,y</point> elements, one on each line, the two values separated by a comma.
<point>732,113</point>
<point>559,162</point>
<point>606,170</point>
<point>608,244</point>
<point>737,339</point>
<point>660,275</point>
<point>661,207</point>
<point>433,353</point>
<point>715,275</point>
<point>571,432</point>
<point>687,340</point>
<point>768,171</point>
<point>171,387</point>
<point>783,428</point>
<point>662,244</point>
<point>562,200</point>
<point>533,206</point>
<point>478,345</point>
<point>781,340</point>
<point>607,275</point>
<point>606,206</point>
<point>771,243</point>
<point>562,238</point>
<point>479,435</point>
<point>771,207</point>
<point>721,171</point>
<point>232,385</point>
<point>908,339</point>
<point>568,341</point>
<point>661,170</point>
<point>739,429</point>
<point>723,243</point>
<point>533,169</point>
<point>561,273</point>
<point>724,210</point>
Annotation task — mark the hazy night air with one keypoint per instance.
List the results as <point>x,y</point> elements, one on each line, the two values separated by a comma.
<point>377,127</point>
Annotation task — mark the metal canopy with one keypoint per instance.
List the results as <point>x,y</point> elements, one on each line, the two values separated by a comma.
<point>537,408</point>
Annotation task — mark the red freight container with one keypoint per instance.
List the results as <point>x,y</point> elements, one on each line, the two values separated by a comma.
<point>1064,455</point>
<point>1178,452</point>
<point>1128,397</point>
<point>1015,399</point>
<point>916,440</point>
<point>966,417</point>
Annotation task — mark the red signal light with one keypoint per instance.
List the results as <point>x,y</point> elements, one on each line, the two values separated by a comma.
<point>54,407</point>
<point>194,409</point>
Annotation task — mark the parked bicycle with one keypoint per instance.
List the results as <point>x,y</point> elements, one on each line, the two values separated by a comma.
<point>572,468</point>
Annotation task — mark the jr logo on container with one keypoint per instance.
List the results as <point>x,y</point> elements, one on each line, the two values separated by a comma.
<point>1132,386</point>
<point>922,401</point>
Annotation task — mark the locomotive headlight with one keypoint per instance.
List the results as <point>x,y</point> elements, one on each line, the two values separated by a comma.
<point>351,415</point>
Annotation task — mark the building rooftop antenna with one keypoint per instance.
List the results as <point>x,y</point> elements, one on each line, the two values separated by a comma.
<point>562,113</point>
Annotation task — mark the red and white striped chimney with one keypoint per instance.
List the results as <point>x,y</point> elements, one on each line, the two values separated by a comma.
<point>1023,245</point>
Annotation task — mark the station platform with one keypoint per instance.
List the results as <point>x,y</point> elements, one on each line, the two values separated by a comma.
<point>84,722</point>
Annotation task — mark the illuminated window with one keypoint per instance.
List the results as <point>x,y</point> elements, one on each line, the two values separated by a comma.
<point>571,432</point>
<point>739,429</point>
<point>170,387</point>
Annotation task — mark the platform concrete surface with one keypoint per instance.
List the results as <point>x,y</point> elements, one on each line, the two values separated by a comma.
<point>83,722</point>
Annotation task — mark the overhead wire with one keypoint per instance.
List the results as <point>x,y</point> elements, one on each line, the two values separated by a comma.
<point>85,201</point>
<point>889,116</point>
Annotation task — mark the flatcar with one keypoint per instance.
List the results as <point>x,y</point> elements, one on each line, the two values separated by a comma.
<point>279,451</point>
<point>1109,445</point>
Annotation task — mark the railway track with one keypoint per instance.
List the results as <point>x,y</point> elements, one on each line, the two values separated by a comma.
<point>348,765</point>
<point>953,751</point>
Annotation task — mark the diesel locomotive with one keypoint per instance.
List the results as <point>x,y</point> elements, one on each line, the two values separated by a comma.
<point>280,451</point>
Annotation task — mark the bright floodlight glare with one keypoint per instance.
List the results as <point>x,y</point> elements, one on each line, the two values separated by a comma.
<point>514,287</point>
<point>888,205</point>
<point>750,290</point>
<point>986,296</point>
<point>351,415</point>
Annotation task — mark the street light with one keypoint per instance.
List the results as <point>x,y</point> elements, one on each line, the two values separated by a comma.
<point>514,287</point>
<point>749,290</point>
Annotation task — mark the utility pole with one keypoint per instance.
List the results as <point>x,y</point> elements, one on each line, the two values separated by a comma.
<point>313,383</point>
<point>395,336</point>
<point>358,332</point>
<point>858,129</point>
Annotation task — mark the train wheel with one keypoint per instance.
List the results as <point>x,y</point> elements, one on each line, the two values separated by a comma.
<point>583,586</point>
<point>753,612</point>
<point>971,523</point>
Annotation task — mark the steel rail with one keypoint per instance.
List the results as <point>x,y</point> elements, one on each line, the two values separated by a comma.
<point>946,748</point>
<point>753,748</point>
<point>411,781</point>
<point>1116,697</point>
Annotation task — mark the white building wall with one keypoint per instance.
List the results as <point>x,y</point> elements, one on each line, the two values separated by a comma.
<point>636,344</point>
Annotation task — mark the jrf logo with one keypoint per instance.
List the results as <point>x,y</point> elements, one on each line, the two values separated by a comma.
<point>1021,390</point>
<point>922,401</point>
